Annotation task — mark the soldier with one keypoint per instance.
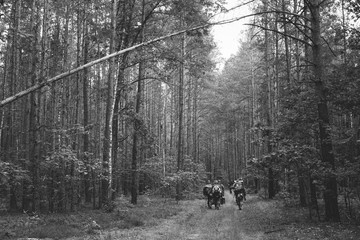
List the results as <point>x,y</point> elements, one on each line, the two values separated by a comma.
<point>238,187</point>
<point>222,188</point>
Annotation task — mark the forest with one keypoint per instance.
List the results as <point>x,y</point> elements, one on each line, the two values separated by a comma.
<point>102,99</point>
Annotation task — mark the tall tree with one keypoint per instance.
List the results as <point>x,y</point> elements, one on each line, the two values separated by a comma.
<point>107,149</point>
<point>327,154</point>
<point>85,93</point>
<point>137,120</point>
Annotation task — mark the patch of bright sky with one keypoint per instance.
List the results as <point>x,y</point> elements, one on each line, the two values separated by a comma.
<point>227,36</point>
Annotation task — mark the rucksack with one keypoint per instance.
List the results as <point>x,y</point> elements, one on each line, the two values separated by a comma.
<point>216,188</point>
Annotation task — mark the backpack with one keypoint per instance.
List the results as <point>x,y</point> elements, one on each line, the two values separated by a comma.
<point>216,188</point>
<point>238,186</point>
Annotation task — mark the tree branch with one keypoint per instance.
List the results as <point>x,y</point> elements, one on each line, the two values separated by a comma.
<point>240,5</point>
<point>327,43</point>
<point>300,30</point>
<point>281,33</point>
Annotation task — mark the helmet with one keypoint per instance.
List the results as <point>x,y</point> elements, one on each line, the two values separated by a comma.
<point>216,182</point>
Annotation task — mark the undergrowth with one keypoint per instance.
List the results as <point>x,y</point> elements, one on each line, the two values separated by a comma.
<point>124,215</point>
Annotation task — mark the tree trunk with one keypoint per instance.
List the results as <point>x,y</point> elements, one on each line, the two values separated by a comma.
<point>180,149</point>
<point>137,122</point>
<point>330,184</point>
<point>8,143</point>
<point>105,183</point>
<point>195,137</point>
<point>286,40</point>
<point>188,118</point>
<point>86,40</point>
<point>33,138</point>
<point>268,109</point>
<point>137,126</point>
<point>302,187</point>
<point>297,49</point>
<point>115,126</point>
<point>313,198</point>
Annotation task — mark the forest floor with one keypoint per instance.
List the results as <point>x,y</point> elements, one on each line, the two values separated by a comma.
<point>157,219</point>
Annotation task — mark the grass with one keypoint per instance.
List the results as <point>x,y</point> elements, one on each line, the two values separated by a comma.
<point>147,212</point>
<point>294,223</point>
<point>54,231</point>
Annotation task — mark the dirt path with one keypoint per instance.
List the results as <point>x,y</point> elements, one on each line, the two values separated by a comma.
<point>199,222</point>
<point>260,219</point>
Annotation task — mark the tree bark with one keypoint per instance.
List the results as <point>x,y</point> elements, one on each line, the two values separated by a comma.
<point>268,109</point>
<point>180,149</point>
<point>85,90</point>
<point>137,126</point>
<point>330,184</point>
<point>33,138</point>
<point>286,41</point>
<point>137,121</point>
<point>107,149</point>
<point>195,142</point>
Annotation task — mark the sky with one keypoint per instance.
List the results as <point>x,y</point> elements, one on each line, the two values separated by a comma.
<point>227,36</point>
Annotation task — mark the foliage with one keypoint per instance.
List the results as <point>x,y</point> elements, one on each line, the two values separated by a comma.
<point>11,174</point>
<point>163,176</point>
<point>87,221</point>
